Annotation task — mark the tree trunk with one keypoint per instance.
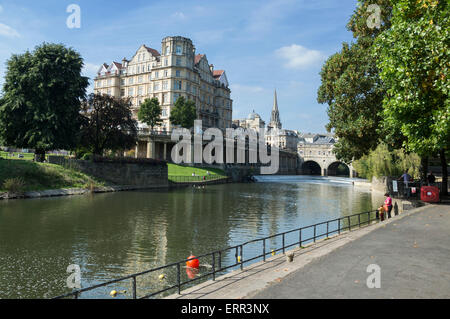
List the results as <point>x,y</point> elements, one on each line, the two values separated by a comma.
<point>39,155</point>
<point>444,188</point>
<point>423,169</point>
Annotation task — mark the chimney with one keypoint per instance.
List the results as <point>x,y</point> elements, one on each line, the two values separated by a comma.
<point>211,67</point>
<point>124,62</point>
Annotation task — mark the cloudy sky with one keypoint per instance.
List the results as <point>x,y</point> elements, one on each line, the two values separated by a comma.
<point>262,45</point>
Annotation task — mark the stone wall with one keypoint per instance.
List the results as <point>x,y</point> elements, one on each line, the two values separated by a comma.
<point>133,173</point>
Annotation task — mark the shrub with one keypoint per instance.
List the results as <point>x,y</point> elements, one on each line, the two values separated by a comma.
<point>14,185</point>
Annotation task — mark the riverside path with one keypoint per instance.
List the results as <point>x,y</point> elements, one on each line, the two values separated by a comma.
<point>412,251</point>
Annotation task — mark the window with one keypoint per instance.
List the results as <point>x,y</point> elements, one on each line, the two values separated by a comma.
<point>164,85</point>
<point>167,50</point>
<point>178,50</point>
<point>109,92</point>
<point>177,73</point>
<point>141,90</point>
<point>176,96</point>
<point>130,81</point>
<point>166,63</point>
<point>148,67</point>
<point>109,81</point>
<point>156,86</point>
<point>150,88</point>
<point>164,112</point>
<point>140,78</point>
<point>130,92</point>
<point>122,82</point>
<point>166,73</point>
<point>156,74</point>
<point>178,85</point>
<point>122,92</point>
<point>164,98</point>
<point>178,61</point>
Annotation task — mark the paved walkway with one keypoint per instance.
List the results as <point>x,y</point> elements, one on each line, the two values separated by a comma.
<point>413,254</point>
<point>412,250</point>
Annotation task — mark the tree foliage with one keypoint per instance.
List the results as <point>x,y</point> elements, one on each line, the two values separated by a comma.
<point>383,162</point>
<point>41,102</point>
<point>107,124</point>
<point>414,55</point>
<point>150,112</point>
<point>352,88</point>
<point>183,113</point>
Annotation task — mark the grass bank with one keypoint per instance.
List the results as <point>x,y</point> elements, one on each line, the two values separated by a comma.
<point>33,176</point>
<point>180,173</point>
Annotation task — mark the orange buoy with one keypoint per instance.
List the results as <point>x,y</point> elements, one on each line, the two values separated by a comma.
<point>194,263</point>
<point>191,272</point>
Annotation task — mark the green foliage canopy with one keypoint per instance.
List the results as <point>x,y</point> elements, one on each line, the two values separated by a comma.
<point>108,124</point>
<point>150,112</point>
<point>41,101</point>
<point>183,113</point>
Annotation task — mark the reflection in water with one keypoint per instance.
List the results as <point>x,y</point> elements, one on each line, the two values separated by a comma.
<point>115,234</point>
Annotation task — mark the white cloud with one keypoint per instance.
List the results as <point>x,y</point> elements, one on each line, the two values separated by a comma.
<point>179,15</point>
<point>299,57</point>
<point>7,31</point>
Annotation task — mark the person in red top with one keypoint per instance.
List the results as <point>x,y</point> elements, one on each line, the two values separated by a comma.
<point>388,205</point>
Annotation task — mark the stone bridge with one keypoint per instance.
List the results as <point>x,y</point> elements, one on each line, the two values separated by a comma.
<point>319,159</point>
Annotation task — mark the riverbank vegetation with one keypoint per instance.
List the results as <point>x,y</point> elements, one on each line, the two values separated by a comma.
<point>382,162</point>
<point>391,86</point>
<point>21,176</point>
<point>180,170</point>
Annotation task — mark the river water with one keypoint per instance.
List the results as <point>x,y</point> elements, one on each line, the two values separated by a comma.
<point>111,235</point>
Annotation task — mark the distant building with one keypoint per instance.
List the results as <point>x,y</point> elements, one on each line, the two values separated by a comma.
<point>253,121</point>
<point>276,136</point>
<point>176,71</point>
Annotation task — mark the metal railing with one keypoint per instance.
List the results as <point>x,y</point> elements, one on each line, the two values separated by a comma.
<point>216,258</point>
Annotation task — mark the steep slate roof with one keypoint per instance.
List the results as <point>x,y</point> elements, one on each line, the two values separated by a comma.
<point>117,64</point>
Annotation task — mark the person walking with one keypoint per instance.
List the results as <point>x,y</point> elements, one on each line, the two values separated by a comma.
<point>431,179</point>
<point>388,205</point>
<point>406,179</point>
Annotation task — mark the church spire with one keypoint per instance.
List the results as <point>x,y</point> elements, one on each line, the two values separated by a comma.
<point>275,116</point>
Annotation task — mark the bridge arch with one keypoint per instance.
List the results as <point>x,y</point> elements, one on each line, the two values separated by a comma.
<point>311,167</point>
<point>338,168</point>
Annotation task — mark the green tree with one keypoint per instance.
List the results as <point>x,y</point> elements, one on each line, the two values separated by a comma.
<point>108,124</point>
<point>414,56</point>
<point>150,112</point>
<point>41,102</point>
<point>352,88</point>
<point>183,113</point>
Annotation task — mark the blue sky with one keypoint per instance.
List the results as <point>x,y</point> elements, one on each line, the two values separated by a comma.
<point>262,45</point>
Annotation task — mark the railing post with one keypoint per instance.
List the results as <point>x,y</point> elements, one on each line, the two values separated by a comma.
<point>327,229</point>
<point>242,257</point>
<point>368,218</point>
<point>264,249</point>
<point>75,296</point>
<point>220,259</point>
<point>214,266</point>
<point>283,242</point>
<point>359,220</point>
<point>339,226</point>
<point>134,287</point>
<point>349,225</point>
<point>314,233</point>
<point>179,278</point>
<point>300,238</point>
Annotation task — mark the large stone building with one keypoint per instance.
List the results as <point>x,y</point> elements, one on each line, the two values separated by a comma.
<point>176,71</point>
<point>253,121</point>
